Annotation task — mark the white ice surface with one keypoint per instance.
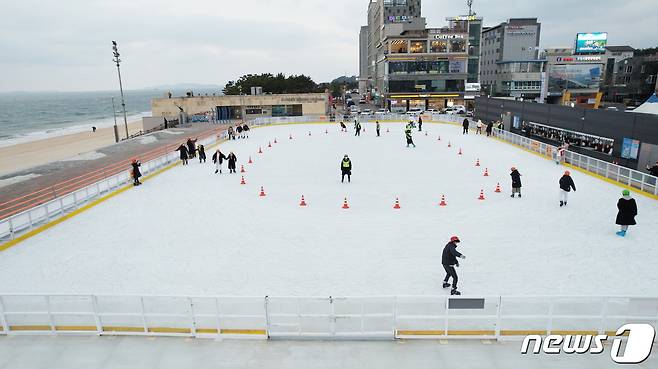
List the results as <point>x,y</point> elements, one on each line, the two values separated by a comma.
<point>189,231</point>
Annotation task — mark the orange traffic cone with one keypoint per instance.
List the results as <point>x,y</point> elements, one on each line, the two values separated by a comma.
<point>449,144</point>
<point>250,161</point>
<point>397,204</point>
<point>486,172</point>
<point>242,169</point>
<point>291,136</point>
<point>345,204</point>
<point>269,144</point>
<point>260,151</point>
<point>481,195</point>
<point>439,138</point>
<point>326,131</point>
<point>303,203</point>
<point>460,151</point>
<point>477,163</point>
<point>387,131</point>
<point>275,141</point>
<point>443,201</point>
<point>309,133</point>
<point>242,182</point>
<point>262,192</point>
<point>498,190</point>
<point>425,133</point>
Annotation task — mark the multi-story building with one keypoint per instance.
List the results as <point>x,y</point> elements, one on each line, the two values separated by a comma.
<point>363,59</point>
<point>510,63</point>
<point>630,74</point>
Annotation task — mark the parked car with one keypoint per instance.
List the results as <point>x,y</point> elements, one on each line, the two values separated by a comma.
<point>415,112</point>
<point>354,109</point>
<point>366,112</point>
<point>381,112</point>
<point>455,109</point>
<point>432,111</point>
<point>362,101</point>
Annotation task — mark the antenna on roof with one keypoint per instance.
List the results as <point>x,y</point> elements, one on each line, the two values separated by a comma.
<point>470,7</point>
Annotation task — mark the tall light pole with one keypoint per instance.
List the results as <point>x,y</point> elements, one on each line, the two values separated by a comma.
<point>116,129</point>
<point>123,101</point>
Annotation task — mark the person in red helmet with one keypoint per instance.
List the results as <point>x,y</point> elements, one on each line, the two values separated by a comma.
<point>135,172</point>
<point>566,184</point>
<point>449,261</point>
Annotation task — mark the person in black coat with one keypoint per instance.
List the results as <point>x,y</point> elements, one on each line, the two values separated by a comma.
<point>202,154</point>
<point>410,139</point>
<point>566,184</point>
<point>232,159</point>
<point>136,173</point>
<point>343,127</point>
<point>420,123</point>
<point>377,128</point>
<point>191,147</point>
<point>245,130</point>
<point>653,170</point>
<point>627,212</point>
<point>183,153</point>
<point>489,129</point>
<point>218,158</point>
<point>516,182</point>
<point>346,169</point>
<point>238,129</point>
<point>357,128</point>
<point>465,125</point>
<point>449,262</point>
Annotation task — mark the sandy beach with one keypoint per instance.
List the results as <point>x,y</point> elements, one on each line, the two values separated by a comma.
<point>30,154</point>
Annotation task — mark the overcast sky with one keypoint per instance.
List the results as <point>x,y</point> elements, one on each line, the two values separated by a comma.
<point>65,45</point>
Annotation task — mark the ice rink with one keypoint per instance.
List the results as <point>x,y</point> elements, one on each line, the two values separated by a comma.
<point>189,231</point>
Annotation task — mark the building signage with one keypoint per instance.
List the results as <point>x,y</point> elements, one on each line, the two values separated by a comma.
<point>447,37</point>
<point>470,87</point>
<point>630,149</point>
<point>400,18</point>
<point>464,18</point>
<point>588,43</point>
<point>578,58</point>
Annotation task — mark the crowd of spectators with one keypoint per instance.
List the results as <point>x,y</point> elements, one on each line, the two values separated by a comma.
<point>574,139</point>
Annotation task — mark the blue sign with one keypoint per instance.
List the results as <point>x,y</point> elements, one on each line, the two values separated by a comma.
<point>630,149</point>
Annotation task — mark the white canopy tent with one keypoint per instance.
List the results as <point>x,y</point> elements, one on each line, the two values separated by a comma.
<point>649,107</point>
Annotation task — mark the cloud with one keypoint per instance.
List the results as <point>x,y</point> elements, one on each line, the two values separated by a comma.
<point>65,45</point>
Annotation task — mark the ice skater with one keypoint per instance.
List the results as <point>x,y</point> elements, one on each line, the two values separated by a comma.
<point>136,173</point>
<point>238,130</point>
<point>245,130</point>
<point>218,159</point>
<point>627,212</point>
<point>231,133</point>
<point>410,139</point>
<point>346,169</point>
<point>566,185</point>
<point>465,124</point>
<point>343,127</point>
<point>489,129</point>
<point>183,153</point>
<point>420,123</point>
<point>202,154</point>
<point>232,159</point>
<point>449,261</point>
<point>516,182</point>
<point>377,128</point>
<point>479,126</point>
<point>357,128</point>
<point>560,156</point>
<point>191,147</point>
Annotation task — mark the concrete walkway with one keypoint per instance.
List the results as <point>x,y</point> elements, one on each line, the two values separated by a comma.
<point>32,352</point>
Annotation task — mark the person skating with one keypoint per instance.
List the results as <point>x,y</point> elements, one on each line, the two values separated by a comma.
<point>410,139</point>
<point>343,127</point>
<point>183,153</point>
<point>357,128</point>
<point>465,124</point>
<point>191,147</point>
<point>238,130</point>
<point>245,130</point>
<point>566,185</point>
<point>136,173</point>
<point>479,126</point>
<point>218,158</point>
<point>420,123</point>
<point>627,212</point>
<point>516,181</point>
<point>653,170</point>
<point>489,129</point>
<point>202,154</point>
<point>231,133</point>
<point>346,169</point>
<point>232,159</point>
<point>377,128</point>
<point>449,261</point>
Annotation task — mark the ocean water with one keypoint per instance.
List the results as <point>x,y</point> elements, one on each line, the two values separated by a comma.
<point>29,116</point>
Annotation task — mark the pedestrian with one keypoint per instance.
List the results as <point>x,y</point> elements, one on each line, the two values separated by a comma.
<point>218,158</point>
<point>238,131</point>
<point>93,129</point>
<point>343,127</point>
<point>377,128</point>
<point>183,153</point>
<point>245,130</point>
<point>479,127</point>
<point>232,159</point>
<point>420,123</point>
<point>136,173</point>
<point>465,125</point>
<point>357,128</point>
<point>627,212</point>
<point>410,139</point>
<point>653,170</point>
<point>191,147</point>
<point>346,169</point>
<point>489,129</point>
<point>449,261</point>
<point>516,181</point>
<point>202,154</point>
<point>231,133</point>
<point>561,153</point>
<point>566,185</point>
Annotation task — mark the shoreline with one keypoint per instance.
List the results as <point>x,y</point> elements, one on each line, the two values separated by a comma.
<point>25,155</point>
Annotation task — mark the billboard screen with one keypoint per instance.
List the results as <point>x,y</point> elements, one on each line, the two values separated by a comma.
<point>588,43</point>
<point>574,77</point>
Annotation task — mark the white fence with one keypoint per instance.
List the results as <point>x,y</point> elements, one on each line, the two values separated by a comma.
<point>374,317</point>
<point>44,213</point>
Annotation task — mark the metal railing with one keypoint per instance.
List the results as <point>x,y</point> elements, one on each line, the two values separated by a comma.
<point>364,317</point>
<point>24,213</point>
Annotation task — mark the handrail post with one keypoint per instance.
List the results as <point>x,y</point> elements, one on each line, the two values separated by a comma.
<point>192,317</point>
<point>141,301</point>
<point>50,315</point>
<point>267,316</point>
<point>97,318</point>
<point>3,319</point>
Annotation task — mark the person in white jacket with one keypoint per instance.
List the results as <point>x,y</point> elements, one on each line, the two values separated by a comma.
<point>479,126</point>
<point>218,158</point>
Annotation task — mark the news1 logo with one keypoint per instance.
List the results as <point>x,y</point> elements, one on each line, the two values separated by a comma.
<point>638,344</point>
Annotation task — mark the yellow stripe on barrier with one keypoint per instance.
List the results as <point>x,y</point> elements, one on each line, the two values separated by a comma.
<point>450,333</point>
<point>421,333</point>
<point>123,329</point>
<point>575,333</point>
<point>261,332</point>
<point>28,328</point>
<point>472,333</point>
<point>170,330</point>
<point>523,333</point>
<point>207,331</point>
<point>76,328</point>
